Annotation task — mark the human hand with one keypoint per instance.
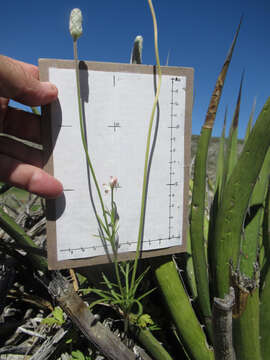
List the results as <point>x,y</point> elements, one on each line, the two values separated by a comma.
<point>20,165</point>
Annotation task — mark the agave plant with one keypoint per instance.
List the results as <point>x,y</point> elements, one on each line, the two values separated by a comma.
<point>228,267</point>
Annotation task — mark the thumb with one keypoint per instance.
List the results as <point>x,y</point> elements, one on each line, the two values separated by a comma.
<point>19,81</point>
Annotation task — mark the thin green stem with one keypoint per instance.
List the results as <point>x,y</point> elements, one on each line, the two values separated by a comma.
<point>112,190</point>
<point>112,237</point>
<point>83,133</point>
<point>113,244</point>
<point>140,234</point>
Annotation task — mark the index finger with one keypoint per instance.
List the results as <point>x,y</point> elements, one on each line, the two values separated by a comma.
<point>19,81</point>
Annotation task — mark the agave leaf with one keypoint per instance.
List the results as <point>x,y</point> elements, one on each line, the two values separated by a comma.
<point>265,315</point>
<point>198,198</point>
<point>179,305</point>
<point>232,148</point>
<point>153,346</point>
<point>251,236</point>
<point>220,160</point>
<point>265,246</point>
<point>250,121</point>
<point>236,197</point>
<point>19,235</point>
<point>246,319</point>
<point>190,269</point>
<point>187,357</point>
<point>219,185</point>
<point>4,187</point>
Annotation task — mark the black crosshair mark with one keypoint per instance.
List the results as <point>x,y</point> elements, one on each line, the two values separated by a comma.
<point>115,126</point>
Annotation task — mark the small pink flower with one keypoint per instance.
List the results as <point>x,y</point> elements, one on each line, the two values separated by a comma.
<point>113,182</point>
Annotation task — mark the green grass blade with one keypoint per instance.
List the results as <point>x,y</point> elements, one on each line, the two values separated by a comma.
<point>236,196</point>
<point>198,198</point>
<point>110,287</point>
<point>146,294</point>
<point>139,280</point>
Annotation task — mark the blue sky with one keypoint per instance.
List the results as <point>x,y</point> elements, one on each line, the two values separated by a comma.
<point>197,34</point>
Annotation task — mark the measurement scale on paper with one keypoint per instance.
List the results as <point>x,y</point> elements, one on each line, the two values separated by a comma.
<point>117,103</point>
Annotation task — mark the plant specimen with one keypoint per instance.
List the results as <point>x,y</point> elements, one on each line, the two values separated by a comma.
<point>122,294</point>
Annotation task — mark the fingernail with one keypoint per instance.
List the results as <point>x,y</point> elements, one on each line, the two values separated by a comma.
<point>49,87</point>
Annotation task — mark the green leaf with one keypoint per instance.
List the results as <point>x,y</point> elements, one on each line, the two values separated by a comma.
<point>220,161</point>
<point>236,198</point>
<point>198,197</point>
<point>103,226</point>
<point>110,287</point>
<point>85,291</point>
<point>19,235</point>
<point>77,355</point>
<point>97,302</point>
<point>82,279</point>
<point>58,315</point>
<point>153,345</point>
<point>145,320</point>
<point>232,150</point>
<point>56,319</point>
<point>49,321</point>
<point>146,294</point>
<point>188,326</point>
<point>139,280</point>
<point>249,126</point>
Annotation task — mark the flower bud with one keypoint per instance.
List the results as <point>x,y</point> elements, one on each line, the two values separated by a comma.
<point>113,182</point>
<point>136,55</point>
<point>75,23</point>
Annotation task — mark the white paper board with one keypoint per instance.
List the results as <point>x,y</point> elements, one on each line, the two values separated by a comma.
<point>117,107</point>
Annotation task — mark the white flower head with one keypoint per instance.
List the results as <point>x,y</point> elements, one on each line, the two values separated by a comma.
<point>75,23</point>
